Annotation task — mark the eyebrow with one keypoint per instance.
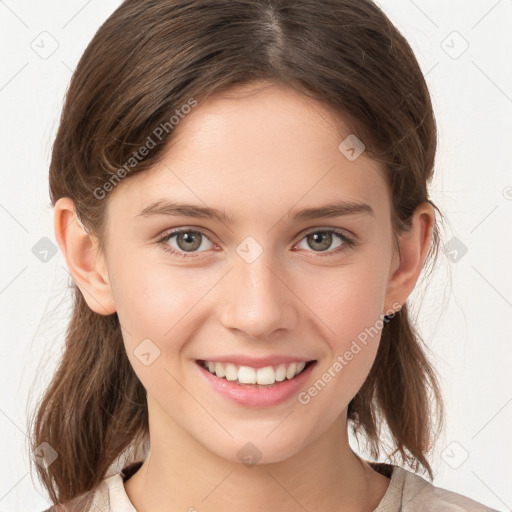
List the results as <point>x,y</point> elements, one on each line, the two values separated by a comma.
<point>170,208</point>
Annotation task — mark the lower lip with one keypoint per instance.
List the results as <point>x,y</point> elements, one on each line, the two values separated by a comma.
<point>253,396</point>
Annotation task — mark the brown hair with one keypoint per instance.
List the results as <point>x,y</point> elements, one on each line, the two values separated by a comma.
<point>148,60</point>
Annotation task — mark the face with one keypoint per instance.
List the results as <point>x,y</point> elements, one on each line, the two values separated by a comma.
<point>262,281</point>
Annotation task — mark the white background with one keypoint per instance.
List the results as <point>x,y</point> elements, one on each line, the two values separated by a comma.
<point>465,314</point>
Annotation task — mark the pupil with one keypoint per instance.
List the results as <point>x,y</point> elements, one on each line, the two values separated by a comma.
<point>325,239</point>
<point>189,239</point>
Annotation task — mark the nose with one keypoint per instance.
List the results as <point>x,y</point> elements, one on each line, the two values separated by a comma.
<point>258,299</point>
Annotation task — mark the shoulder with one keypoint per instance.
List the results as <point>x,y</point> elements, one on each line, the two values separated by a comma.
<point>108,496</point>
<point>417,495</point>
<point>96,500</point>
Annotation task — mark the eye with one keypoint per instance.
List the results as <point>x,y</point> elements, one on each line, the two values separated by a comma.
<point>321,240</point>
<point>187,240</point>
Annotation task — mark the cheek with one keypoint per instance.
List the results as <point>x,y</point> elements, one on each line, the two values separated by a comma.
<point>348,306</point>
<point>160,310</point>
<point>345,301</point>
<point>157,299</point>
<point>155,307</point>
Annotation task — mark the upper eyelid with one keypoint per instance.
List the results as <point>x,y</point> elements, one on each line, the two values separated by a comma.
<point>336,230</point>
<point>176,231</point>
<point>342,231</point>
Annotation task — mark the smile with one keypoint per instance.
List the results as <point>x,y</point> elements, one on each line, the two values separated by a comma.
<point>265,376</point>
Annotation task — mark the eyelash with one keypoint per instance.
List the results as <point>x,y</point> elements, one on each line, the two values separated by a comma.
<point>348,243</point>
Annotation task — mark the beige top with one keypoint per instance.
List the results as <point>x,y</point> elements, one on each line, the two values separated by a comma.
<point>407,492</point>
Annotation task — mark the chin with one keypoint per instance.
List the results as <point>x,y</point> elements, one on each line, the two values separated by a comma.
<point>259,449</point>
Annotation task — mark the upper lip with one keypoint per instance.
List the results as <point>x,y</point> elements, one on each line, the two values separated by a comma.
<point>255,362</point>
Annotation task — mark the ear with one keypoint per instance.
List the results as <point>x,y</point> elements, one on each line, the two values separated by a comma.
<point>414,246</point>
<point>86,265</point>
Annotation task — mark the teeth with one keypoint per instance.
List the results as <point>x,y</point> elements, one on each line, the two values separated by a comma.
<point>281,373</point>
<point>220,370</point>
<point>265,376</point>
<point>290,371</point>
<point>262,376</point>
<point>231,372</point>
<point>246,375</point>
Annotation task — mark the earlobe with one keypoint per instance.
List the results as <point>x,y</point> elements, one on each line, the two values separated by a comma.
<point>414,246</point>
<point>80,249</point>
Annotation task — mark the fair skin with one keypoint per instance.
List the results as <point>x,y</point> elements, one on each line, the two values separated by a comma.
<point>261,156</point>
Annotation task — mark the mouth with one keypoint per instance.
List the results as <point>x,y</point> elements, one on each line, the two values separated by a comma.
<point>246,376</point>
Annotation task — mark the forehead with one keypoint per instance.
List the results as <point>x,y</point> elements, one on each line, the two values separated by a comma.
<point>254,148</point>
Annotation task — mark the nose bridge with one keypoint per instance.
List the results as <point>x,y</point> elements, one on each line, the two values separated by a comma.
<point>257,299</point>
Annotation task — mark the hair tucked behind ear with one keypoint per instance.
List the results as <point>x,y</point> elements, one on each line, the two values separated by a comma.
<point>400,390</point>
<point>94,407</point>
<point>148,63</point>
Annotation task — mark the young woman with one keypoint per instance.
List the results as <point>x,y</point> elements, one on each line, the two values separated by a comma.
<point>240,193</point>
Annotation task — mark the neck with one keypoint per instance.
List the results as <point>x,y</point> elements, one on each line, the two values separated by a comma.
<point>181,474</point>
